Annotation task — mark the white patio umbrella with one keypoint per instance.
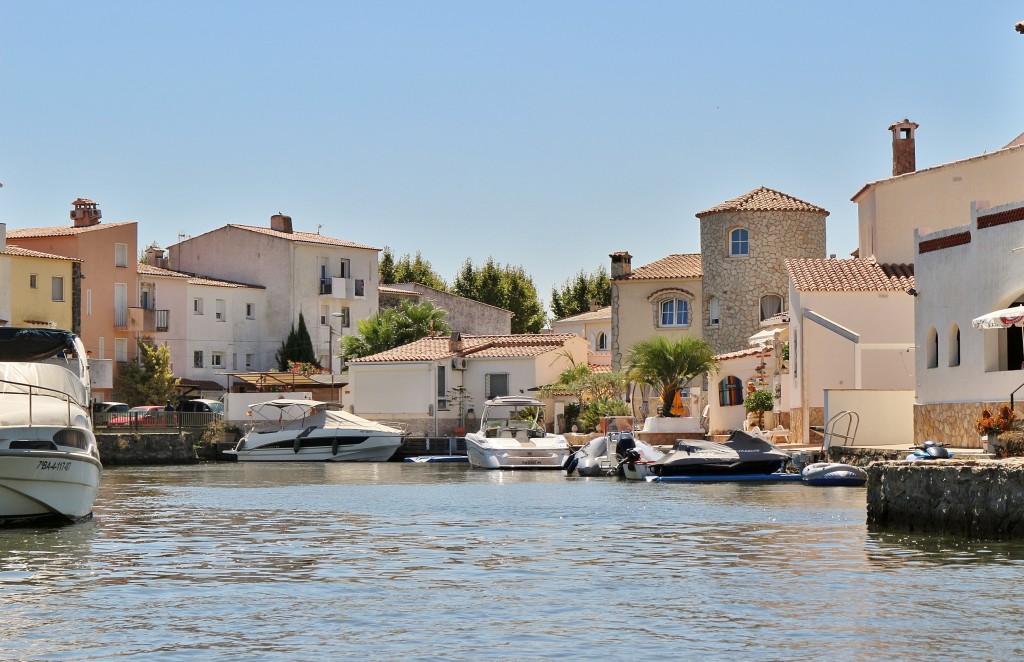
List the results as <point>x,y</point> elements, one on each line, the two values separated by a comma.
<point>1000,319</point>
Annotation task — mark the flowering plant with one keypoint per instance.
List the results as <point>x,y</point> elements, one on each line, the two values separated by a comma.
<point>988,424</point>
<point>304,369</point>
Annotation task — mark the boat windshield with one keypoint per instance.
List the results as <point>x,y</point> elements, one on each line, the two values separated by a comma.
<point>513,417</point>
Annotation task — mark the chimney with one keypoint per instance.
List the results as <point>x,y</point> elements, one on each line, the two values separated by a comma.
<point>85,213</point>
<point>594,305</point>
<point>455,343</point>
<point>155,257</point>
<point>903,159</point>
<point>281,223</point>
<point>622,265</point>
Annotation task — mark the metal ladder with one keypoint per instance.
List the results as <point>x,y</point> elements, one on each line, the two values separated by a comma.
<point>842,428</point>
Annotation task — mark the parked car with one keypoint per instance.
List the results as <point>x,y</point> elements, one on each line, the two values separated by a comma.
<point>145,416</point>
<point>109,407</point>
<point>201,406</point>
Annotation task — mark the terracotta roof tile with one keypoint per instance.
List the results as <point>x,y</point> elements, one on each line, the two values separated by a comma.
<point>436,348</point>
<point>682,265</point>
<point>763,199</point>
<point>739,354</point>
<point>59,230</point>
<point>306,237</point>
<point>589,316</point>
<point>855,275</point>
<point>24,252</point>
<point>193,279</point>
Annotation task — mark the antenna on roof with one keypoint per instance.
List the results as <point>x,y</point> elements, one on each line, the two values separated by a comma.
<point>318,226</point>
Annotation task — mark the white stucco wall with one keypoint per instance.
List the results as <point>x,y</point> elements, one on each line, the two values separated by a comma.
<point>886,417</point>
<point>955,285</point>
<point>933,199</point>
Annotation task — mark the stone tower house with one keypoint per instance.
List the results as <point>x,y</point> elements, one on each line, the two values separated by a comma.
<point>744,244</point>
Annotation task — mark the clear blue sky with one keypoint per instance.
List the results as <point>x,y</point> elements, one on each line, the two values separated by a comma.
<point>546,134</point>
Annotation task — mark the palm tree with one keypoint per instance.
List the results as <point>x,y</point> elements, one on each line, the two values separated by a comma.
<point>669,365</point>
<point>421,320</point>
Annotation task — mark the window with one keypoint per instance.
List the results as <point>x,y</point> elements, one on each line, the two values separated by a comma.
<point>120,255</point>
<point>57,288</point>
<point>601,342</point>
<point>88,303</point>
<point>197,306</point>
<point>216,359</point>
<point>360,287</point>
<point>325,315</point>
<point>250,311</point>
<point>771,305</point>
<point>954,345</point>
<point>932,345</point>
<point>714,313</point>
<point>346,268</point>
<point>675,312</point>
<point>495,385</point>
<point>739,243</point>
<point>102,347</point>
<point>121,350</point>
<point>197,359</point>
<point>345,319</point>
<point>249,359</point>
<point>120,304</point>
<point>33,281</point>
<point>442,388</point>
<point>730,391</point>
<point>234,361</point>
<point>220,314</point>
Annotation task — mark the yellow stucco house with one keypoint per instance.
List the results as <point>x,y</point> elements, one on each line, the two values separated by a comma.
<point>40,288</point>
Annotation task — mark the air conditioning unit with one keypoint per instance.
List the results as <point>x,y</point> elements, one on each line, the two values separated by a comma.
<point>458,363</point>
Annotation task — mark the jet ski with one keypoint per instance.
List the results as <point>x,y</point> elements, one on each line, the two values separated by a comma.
<point>741,454</point>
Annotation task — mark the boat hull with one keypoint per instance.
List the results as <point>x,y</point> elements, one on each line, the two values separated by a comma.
<point>46,484</point>
<point>283,448</point>
<point>515,458</point>
<point>825,474</point>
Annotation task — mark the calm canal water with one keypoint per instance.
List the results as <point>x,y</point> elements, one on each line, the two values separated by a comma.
<point>384,561</point>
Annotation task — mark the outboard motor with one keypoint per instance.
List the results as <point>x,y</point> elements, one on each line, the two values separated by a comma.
<point>624,446</point>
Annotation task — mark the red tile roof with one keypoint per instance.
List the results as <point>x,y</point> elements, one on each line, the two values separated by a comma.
<point>682,265</point>
<point>305,237</point>
<point>854,275</point>
<point>763,199</point>
<point>739,354</point>
<point>436,348</point>
<point>24,252</point>
<point>193,279</point>
<point>59,230</point>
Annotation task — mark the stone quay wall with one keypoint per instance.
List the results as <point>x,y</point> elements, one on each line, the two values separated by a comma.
<point>981,499</point>
<point>147,448</point>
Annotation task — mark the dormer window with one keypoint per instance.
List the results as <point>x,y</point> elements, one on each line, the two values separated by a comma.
<point>739,243</point>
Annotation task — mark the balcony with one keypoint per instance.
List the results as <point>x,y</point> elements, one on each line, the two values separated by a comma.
<point>149,320</point>
<point>336,288</point>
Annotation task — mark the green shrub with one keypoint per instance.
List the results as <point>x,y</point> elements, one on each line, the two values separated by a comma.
<point>595,410</point>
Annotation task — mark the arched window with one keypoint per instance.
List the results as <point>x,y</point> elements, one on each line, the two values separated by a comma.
<point>714,314</point>
<point>730,391</point>
<point>675,312</point>
<point>771,305</point>
<point>739,243</point>
<point>954,345</point>
<point>601,341</point>
<point>932,345</point>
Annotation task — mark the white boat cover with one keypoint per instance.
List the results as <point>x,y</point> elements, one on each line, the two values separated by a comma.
<point>285,411</point>
<point>47,407</point>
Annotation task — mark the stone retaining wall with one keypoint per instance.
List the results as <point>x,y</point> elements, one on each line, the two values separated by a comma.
<point>968,498</point>
<point>952,423</point>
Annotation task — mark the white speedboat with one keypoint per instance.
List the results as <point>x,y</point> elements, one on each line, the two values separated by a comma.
<point>313,431</point>
<point>512,437</point>
<point>49,463</point>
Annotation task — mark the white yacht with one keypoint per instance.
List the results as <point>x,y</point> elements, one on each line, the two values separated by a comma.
<point>313,431</point>
<point>512,437</point>
<point>49,463</point>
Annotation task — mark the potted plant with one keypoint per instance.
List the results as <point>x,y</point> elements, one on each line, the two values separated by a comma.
<point>758,402</point>
<point>989,426</point>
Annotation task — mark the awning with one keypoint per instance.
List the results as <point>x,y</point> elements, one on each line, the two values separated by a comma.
<point>289,380</point>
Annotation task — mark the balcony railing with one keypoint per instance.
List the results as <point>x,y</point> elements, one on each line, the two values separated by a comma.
<point>325,286</point>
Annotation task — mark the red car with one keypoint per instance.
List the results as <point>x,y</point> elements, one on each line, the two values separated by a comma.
<point>148,416</point>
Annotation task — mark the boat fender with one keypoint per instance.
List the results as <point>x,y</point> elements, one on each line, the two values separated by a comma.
<point>298,444</point>
<point>334,447</point>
